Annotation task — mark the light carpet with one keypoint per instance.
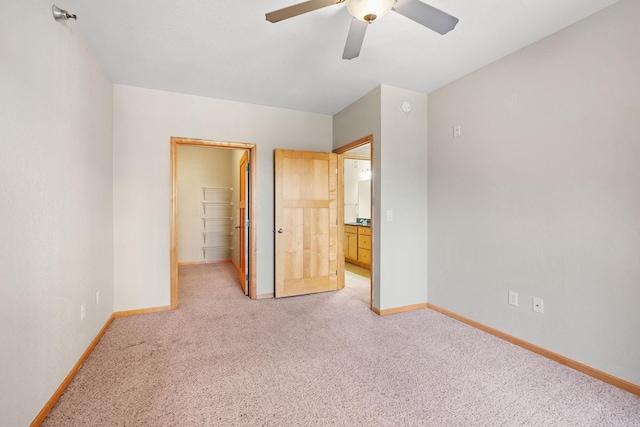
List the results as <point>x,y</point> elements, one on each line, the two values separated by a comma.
<point>324,359</point>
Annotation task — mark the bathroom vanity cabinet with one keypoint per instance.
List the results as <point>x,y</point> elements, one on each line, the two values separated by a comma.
<point>357,245</point>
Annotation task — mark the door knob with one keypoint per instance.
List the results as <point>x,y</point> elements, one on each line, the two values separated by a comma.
<point>280,231</point>
<point>237,227</point>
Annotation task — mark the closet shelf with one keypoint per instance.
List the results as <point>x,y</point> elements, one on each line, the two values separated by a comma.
<point>216,191</point>
<point>219,238</point>
<point>217,207</point>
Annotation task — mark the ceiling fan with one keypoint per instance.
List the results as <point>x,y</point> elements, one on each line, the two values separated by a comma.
<point>364,12</point>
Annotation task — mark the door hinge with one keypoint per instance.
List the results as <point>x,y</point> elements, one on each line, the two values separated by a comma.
<point>246,223</point>
<point>247,168</point>
<point>246,277</point>
<point>336,170</point>
<point>336,272</point>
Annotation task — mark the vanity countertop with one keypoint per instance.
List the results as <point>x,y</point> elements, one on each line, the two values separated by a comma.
<point>358,224</point>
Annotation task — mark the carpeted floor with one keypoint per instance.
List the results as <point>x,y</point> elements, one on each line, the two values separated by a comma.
<point>357,283</point>
<point>316,360</point>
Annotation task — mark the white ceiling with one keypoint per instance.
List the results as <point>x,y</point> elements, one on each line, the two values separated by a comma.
<point>226,49</point>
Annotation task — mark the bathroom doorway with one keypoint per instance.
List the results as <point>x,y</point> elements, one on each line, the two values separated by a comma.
<point>356,201</point>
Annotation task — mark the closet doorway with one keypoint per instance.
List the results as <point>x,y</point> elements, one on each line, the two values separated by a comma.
<point>213,208</point>
<point>356,202</point>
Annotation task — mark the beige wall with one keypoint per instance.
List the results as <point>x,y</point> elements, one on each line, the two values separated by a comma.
<point>403,166</point>
<point>56,219</point>
<point>360,119</point>
<point>541,195</point>
<point>144,121</point>
<point>203,167</point>
<point>399,180</point>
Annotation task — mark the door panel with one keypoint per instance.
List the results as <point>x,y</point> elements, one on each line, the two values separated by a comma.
<point>242,238</point>
<point>306,222</point>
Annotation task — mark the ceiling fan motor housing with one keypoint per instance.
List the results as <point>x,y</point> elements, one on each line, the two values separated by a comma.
<point>369,10</point>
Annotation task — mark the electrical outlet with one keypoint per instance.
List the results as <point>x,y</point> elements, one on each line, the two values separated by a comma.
<point>538,305</point>
<point>82,311</point>
<point>513,298</point>
<point>97,297</point>
<point>389,215</point>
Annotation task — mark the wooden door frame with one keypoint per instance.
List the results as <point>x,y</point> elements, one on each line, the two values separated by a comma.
<point>252,150</point>
<point>340,151</point>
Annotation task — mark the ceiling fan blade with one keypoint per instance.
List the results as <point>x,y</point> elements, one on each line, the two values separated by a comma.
<point>426,15</point>
<point>299,9</point>
<point>354,39</point>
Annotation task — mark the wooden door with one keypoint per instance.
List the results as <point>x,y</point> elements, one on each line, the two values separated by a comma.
<point>242,207</point>
<point>306,216</point>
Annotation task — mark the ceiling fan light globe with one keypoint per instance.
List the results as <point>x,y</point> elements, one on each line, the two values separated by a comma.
<point>368,10</point>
